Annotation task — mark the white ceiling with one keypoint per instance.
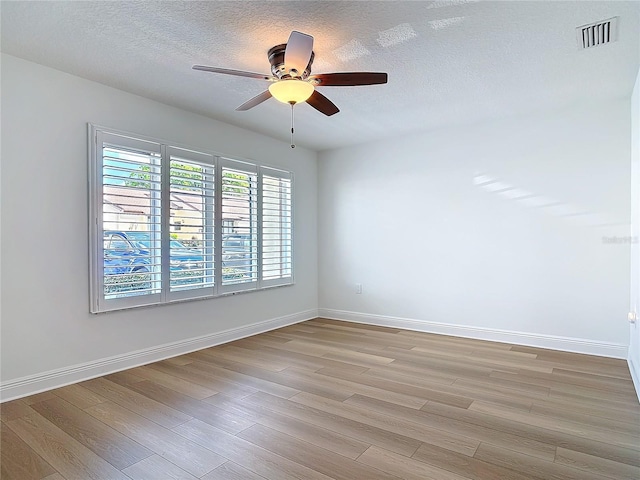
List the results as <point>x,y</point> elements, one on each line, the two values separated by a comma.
<point>450,62</point>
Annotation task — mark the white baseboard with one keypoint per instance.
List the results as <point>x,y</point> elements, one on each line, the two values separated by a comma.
<point>32,384</point>
<point>567,344</point>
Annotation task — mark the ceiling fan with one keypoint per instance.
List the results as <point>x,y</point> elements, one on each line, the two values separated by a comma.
<point>291,79</point>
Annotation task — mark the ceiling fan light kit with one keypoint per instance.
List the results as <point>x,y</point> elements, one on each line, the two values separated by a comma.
<point>292,81</point>
<point>291,90</point>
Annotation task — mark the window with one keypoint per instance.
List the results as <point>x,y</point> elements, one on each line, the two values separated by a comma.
<point>276,227</point>
<point>191,211</point>
<point>240,204</point>
<point>170,224</point>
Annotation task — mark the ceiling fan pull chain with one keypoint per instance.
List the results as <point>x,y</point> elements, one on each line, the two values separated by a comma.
<point>293,145</point>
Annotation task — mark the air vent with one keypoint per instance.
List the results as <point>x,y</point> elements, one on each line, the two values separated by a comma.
<point>596,34</point>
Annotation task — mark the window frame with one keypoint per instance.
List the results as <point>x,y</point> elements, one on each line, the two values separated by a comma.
<point>97,137</point>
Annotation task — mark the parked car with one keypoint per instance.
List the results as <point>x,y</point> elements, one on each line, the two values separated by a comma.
<point>181,256</point>
<point>236,250</point>
<point>130,252</point>
<point>122,256</point>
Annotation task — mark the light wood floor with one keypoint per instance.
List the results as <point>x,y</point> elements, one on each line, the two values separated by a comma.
<point>325,399</point>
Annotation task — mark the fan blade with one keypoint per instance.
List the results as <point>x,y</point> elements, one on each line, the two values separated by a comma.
<point>349,79</point>
<point>237,73</point>
<point>298,52</point>
<point>257,100</point>
<point>322,104</point>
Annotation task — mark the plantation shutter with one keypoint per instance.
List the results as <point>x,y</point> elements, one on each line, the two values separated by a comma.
<point>191,223</point>
<point>128,185</point>
<point>239,212</point>
<point>276,228</point>
<point>170,224</point>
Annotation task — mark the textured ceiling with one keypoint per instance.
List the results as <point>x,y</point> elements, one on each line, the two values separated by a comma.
<point>449,62</point>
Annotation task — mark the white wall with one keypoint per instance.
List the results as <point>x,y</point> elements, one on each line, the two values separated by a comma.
<point>634,345</point>
<point>46,323</point>
<point>434,249</point>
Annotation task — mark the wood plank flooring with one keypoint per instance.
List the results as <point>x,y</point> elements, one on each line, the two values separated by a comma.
<point>333,400</point>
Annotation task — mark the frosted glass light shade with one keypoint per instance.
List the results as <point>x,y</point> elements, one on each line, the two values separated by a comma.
<point>291,91</point>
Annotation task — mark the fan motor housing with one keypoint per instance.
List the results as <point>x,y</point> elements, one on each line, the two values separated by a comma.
<point>276,59</point>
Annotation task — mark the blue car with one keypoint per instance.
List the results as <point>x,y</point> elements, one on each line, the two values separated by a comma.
<point>129,252</point>
<point>236,251</point>
<point>181,256</point>
<point>122,256</point>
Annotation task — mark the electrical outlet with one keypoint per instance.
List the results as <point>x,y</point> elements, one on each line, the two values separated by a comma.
<point>358,288</point>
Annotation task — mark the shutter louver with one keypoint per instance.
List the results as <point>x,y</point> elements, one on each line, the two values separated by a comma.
<point>131,197</point>
<point>276,230</point>
<point>191,224</point>
<point>239,211</point>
